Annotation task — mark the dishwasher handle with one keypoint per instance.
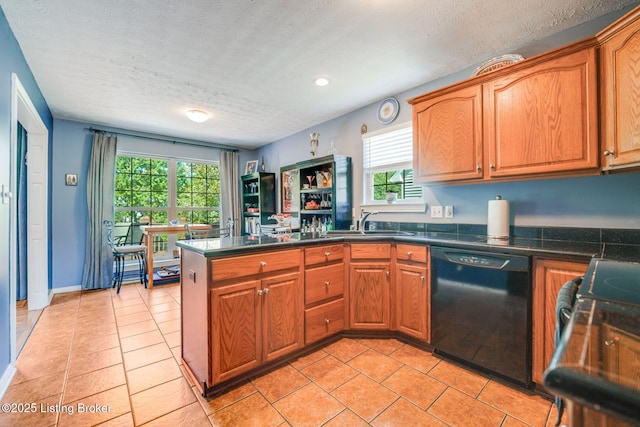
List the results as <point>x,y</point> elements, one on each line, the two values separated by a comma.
<point>480,259</point>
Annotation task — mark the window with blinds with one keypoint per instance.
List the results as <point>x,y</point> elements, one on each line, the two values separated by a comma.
<point>388,166</point>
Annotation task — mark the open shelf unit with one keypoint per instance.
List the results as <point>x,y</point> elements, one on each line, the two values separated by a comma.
<point>323,186</point>
<point>258,200</point>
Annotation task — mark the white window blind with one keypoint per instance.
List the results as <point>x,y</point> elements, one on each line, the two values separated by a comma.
<point>388,166</point>
<point>389,149</point>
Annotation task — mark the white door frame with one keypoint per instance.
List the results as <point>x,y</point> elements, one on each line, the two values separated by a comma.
<point>23,111</point>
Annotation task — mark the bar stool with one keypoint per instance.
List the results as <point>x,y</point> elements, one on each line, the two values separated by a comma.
<point>120,252</point>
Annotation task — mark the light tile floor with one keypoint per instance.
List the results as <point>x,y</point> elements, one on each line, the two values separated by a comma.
<point>25,321</point>
<point>99,358</point>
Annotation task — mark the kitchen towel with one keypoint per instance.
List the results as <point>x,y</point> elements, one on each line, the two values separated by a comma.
<point>498,219</point>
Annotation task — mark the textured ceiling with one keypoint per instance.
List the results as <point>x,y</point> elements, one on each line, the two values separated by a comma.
<point>251,64</point>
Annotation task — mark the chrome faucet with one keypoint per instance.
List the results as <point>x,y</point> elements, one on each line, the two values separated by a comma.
<point>363,217</point>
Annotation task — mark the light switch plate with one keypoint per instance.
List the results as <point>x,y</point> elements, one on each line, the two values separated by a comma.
<point>448,211</point>
<point>436,211</point>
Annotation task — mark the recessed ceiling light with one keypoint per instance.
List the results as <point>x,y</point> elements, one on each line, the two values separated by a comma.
<point>197,116</point>
<point>321,81</point>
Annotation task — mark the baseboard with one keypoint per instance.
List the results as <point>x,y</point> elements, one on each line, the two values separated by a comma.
<point>6,378</point>
<point>65,289</point>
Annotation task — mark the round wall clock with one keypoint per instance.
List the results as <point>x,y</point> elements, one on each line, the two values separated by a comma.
<point>388,110</point>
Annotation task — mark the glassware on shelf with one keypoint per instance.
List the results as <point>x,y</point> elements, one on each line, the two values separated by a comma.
<point>310,178</point>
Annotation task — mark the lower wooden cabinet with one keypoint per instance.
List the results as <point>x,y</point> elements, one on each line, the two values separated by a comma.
<point>412,291</point>
<point>236,329</point>
<point>549,276</point>
<point>282,315</point>
<point>621,353</point>
<point>254,322</point>
<point>412,298</point>
<point>369,295</point>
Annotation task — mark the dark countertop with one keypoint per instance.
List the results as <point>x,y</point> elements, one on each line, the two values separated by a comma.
<point>237,245</point>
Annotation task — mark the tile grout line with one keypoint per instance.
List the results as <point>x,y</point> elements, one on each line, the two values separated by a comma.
<point>124,368</point>
<point>68,367</point>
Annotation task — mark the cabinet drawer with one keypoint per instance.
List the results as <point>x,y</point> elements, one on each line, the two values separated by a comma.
<point>251,265</point>
<point>324,320</point>
<point>320,254</point>
<point>370,251</point>
<point>411,253</point>
<point>323,283</point>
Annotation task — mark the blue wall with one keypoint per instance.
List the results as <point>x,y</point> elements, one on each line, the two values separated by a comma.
<point>11,61</point>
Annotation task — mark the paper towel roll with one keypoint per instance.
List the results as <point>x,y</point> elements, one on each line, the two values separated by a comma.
<point>498,219</point>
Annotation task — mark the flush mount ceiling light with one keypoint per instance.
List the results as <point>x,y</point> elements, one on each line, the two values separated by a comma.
<point>197,116</point>
<point>321,81</point>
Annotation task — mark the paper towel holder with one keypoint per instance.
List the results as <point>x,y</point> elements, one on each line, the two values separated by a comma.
<point>498,230</point>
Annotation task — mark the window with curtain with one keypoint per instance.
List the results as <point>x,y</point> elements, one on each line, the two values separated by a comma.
<point>388,166</point>
<point>157,190</point>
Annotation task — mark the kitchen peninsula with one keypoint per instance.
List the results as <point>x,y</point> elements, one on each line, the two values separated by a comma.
<point>252,303</point>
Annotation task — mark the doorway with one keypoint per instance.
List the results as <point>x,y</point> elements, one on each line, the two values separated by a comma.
<point>37,241</point>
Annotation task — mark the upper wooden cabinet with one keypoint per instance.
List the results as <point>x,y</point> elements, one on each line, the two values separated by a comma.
<point>447,136</point>
<point>538,117</point>
<point>620,77</point>
<point>543,119</point>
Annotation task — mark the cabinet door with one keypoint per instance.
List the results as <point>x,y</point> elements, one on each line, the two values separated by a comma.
<point>621,356</point>
<point>282,315</point>
<point>235,328</point>
<point>447,136</point>
<point>412,290</point>
<point>620,59</point>
<point>369,290</point>
<point>549,276</point>
<point>543,119</point>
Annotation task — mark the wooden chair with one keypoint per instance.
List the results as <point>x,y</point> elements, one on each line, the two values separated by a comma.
<point>120,252</point>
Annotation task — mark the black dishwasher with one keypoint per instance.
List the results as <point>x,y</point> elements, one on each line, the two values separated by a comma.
<point>481,310</point>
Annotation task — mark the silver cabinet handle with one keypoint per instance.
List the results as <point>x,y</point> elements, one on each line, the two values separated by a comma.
<point>259,292</point>
<point>611,342</point>
<point>388,274</point>
<point>478,168</point>
<point>422,278</point>
<point>608,153</point>
<point>327,254</point>
<point>327,283</point>
<point>326,321</point>
<point>266,291</point>
<point>409,253</point>
<point>263,263</point>
<point>492,166</point>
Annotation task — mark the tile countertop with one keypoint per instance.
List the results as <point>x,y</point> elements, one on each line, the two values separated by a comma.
<point>245,244</point>
<point>596,362</point>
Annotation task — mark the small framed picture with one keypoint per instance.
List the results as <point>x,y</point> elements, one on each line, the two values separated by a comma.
<point>252,166</point>
<point>71,179</point>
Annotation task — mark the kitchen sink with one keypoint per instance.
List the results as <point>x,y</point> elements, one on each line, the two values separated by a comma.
<point>349,233</point>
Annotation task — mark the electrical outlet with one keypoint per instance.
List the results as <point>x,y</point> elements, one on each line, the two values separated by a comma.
<point>436,211</point>
<point>448,211</point>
